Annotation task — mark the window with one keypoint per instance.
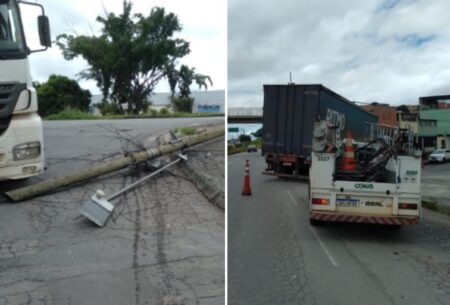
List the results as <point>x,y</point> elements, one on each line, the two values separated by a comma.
<point>428,123</point>
<point>11,38</point>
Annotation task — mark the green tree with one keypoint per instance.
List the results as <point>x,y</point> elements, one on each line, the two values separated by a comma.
<point>187,76</point>
<point>403,108</point>
<point>172,76</point>
<point>182,104</point>
<point>243,138</point>
<point>131,55</point>
<point>59,93</point>
<point>184,79</point>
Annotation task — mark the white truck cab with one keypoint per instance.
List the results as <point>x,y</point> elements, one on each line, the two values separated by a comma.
<point>21,136</point>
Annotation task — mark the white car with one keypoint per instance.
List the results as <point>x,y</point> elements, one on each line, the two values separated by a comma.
<point>439,155</point>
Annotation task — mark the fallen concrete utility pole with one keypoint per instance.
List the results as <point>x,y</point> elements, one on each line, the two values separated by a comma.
<point>99,208</point>
<point>114,165</point>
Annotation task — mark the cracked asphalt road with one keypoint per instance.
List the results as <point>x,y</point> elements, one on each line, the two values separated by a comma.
<point>276,257</point>
<point>163,245</point>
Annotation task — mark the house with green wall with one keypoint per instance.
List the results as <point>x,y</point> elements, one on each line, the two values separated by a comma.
<point>434,122</point>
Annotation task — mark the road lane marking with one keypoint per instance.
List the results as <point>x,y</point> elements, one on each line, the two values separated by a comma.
<point>324,248</point>
<point>292,198</point>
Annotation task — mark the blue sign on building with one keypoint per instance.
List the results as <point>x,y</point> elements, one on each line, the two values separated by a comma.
<point>208,108</point>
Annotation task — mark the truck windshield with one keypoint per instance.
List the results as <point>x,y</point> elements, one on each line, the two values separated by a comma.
<point>11,38</point>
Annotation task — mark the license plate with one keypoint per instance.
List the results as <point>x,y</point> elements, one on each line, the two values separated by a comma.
<point>347,202</point>
<point>287,163</point>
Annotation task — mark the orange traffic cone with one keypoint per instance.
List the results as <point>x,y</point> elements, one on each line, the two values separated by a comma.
<point>246,190</point>
<point>348,162</point>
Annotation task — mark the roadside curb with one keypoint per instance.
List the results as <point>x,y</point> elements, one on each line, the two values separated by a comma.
<point>434,204</point>
<point>137,117</point>
<point>201,182</point>
<point>213,194</point>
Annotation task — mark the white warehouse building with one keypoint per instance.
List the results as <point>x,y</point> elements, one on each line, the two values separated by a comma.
<point>204,101</point>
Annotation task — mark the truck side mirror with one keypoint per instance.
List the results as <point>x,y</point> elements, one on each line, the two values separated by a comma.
<point>44,31</point>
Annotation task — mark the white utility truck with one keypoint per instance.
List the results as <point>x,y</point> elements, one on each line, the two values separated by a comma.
<point>374,183</point>
<point>21,139</point>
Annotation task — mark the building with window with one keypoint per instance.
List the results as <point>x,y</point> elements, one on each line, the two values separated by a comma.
<point>408,117</point>
<point>386,114</point>
<point>434,122</point>
<point>211,101</point>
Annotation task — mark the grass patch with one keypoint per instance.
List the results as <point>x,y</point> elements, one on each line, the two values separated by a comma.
<point>235,150</point>
<point>187,130</point>
<point>187,114</point>
<point>257,142</point>
<point>72,114</point>
<point>430,205</point>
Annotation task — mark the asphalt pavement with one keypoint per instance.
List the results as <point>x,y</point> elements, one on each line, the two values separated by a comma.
<point>163,245</point>
<point>276,257</point>
<point>436,185</point>
<point>436,169</point>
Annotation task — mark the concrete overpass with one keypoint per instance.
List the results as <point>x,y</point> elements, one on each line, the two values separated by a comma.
<point>245,115</point>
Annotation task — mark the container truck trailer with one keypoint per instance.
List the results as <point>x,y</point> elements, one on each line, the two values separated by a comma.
<point>288,121</point>
<point>21,137</point>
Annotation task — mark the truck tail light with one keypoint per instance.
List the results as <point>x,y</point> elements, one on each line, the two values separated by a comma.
<point>320,201</point>
<point>408,206</point>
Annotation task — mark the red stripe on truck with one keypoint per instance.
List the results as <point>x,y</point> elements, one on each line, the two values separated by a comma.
<point>364,219</point>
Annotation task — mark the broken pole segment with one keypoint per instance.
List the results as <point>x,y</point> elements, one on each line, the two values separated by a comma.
<point>55,183</point>
<point>99,208</point>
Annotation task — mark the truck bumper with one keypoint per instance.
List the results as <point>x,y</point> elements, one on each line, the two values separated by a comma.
<point>21,171</point>
<point>299,177</point>
<point>374,219</point>
<point>22,129</point>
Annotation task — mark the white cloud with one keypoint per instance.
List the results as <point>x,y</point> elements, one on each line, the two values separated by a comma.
<point>203,21</point>
<point>392,51</point>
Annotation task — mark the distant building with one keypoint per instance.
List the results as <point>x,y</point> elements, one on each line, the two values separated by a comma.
<point>408,117</point>
<point>408,121</point>
<point>95,100</point>
<point>160,100</point>
<point>212,101</point>
<point>386,114</point>
<point>413,108</point>
<point>434,122</point>
<point>204,101</point>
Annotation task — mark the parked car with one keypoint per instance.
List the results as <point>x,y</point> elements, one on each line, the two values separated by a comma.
<point>252,148</point>
<point>439,155</point>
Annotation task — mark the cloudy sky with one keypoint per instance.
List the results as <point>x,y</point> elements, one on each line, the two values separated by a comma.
<point>203,21</point>
<point>390,51</point>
